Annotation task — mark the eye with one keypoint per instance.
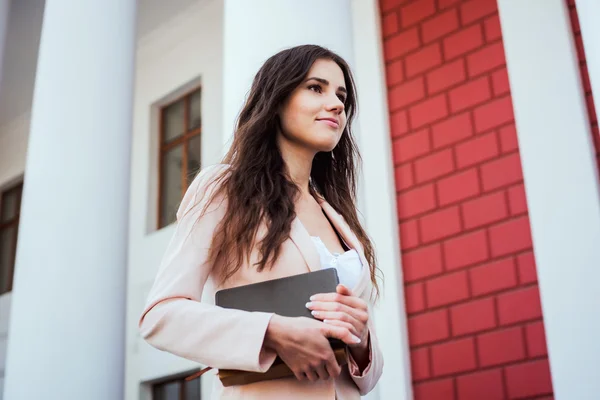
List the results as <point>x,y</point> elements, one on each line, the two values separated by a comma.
<point>316,88</point>
<point>342,98</point>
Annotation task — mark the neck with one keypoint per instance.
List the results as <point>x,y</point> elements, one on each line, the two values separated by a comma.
<point>299,163</point>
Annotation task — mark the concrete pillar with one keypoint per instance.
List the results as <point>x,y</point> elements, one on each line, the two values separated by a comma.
<point>561,185</point>
<point>588,12</point>
<point>66,333</point>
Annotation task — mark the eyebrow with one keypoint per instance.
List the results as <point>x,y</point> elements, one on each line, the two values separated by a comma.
<point>326,82</point>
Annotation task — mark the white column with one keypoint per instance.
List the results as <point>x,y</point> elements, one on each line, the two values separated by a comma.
<point>561,184</point>
<point>588,12</point>
<point>379,198</point>
<point>66,333</point>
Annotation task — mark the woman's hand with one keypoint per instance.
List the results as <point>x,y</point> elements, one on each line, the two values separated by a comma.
<point>302,343</point>
<point>342,309</point>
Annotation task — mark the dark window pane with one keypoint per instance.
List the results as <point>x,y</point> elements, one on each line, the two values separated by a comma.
<point>167,391</point>
<point>195,111</point>
<point>193,164</point>
<point>192,390</point>
<point>9,205</point>
<point>173,121</point>
<point>171,184</point>
<point>7,246</point>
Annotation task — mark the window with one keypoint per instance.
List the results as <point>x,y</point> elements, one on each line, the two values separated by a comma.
<point>177,389</point>
<point>10,207</point>
<point>180,140</point>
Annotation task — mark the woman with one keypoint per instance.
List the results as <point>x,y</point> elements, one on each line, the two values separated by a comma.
<point>267,212</point>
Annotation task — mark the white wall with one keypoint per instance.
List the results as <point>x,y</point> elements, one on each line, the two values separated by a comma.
<point>185,50</point>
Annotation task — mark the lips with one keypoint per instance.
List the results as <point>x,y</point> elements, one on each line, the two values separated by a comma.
<point>330,121</point>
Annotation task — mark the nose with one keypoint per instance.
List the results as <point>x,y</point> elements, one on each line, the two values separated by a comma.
<point>335,104</point>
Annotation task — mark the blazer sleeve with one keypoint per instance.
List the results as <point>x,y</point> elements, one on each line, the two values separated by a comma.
<point>175,320</point>
<point>366,379</point>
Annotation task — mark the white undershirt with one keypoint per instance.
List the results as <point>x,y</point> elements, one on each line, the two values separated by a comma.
<point>348,264</point>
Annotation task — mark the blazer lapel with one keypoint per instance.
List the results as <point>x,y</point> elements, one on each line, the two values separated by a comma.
<point>302,240</point>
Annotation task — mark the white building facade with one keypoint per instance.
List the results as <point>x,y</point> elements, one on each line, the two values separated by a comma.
<point>83,91</point>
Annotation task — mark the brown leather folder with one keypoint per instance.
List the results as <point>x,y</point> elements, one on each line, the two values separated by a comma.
<point>284,296</point>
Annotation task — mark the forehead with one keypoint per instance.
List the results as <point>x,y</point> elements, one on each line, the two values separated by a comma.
<point>329,70</point>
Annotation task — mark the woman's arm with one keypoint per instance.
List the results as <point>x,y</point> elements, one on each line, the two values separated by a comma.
<point>174,319</point>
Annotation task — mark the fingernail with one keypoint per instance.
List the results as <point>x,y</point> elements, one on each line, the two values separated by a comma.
<point>356,340</point>
<point>315,313</point>
<point>308,305</point>
<point>312,297</point>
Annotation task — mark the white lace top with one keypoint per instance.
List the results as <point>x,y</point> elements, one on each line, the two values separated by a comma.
<point>348,264</point>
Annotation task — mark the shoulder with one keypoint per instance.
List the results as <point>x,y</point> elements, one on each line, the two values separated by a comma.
<point>202,187</point>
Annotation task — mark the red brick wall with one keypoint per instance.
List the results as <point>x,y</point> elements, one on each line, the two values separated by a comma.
<point>474,315</point>
<point>585,78</point>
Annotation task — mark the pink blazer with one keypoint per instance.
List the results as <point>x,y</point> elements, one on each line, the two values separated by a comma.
<point>177,321</point>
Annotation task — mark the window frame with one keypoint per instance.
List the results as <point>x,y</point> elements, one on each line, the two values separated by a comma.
<point>14,222</point>
<point>184,140</point>
<point>181,379</point>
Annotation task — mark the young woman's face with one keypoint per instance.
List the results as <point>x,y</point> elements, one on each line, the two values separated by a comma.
<point>314,116</point>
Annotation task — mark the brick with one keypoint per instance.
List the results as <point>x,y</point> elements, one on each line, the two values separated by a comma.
<point>387,5</point>
<point>473,10</point>
<point>411,146</point>
<point>440,25</point>
<point>501,172</point>
<point>477,150</point>
<point>447,289</point>
<point>462,42</point>
<point>574,18</point>
<point>458,187</point>
<point>519,305</point>
<point>470,94</point>
<point>403,176</point>
<point>536,339</point>
<point>501,347</point>
<point>517,203</point>
<point>424,59</point>
<point>492,28</point>
<point>481,385</point>
<point>409,234</point>
<point>416,11</point>
<point>500,82</point>
<point>528,379</point>
<point>399,123</point>
<point>389,24</point>
<point>435,390</point>
<point>527,269</point>
<point>484,210</point>
<point>416,201</point>
<point>434,165</point>
<point>493,277</point>
<point>419,360</point>
<point>452,130</point>
<point>467,249</point>
<point>428,111</point>
<point>394,72</point>
<point>472,317</point>
<point>579,44</point>
<point>585,77</point>
<point>486,59</point>
<point>422,262</point>
<point>447,3</point>
<point>440,224</point>
<point>428,327</point>
<point>590,106</point>
<point>453,357</point>
<point>406,93</point>
<point>508,138</point>
<point>415,298</point>
<point>448,75</point>
<point>398,45</point>
<point>493,114</point>
<point>510,237</point>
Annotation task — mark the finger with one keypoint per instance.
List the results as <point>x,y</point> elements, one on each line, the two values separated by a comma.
<point>311,375</point>
<point>333,368</point>
<point>322,372</point>
<point>350,301</point>
<point>337,332</point>
<point>339,316</point>
<point>343,290</point>
<point>318,307</point>
<point>347,325</point>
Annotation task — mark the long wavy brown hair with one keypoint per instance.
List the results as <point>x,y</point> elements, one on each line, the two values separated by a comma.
<point>257,185</point>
